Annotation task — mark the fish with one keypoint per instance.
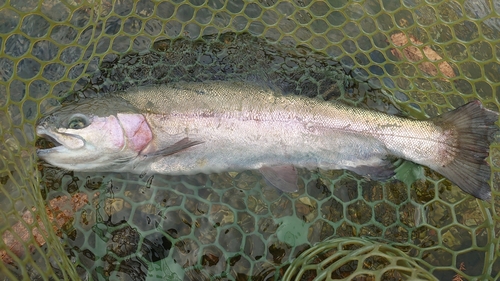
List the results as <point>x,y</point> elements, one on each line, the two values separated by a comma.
<point>186,128</point>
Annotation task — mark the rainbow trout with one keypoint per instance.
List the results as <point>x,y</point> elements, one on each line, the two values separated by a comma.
<point>211,127</point>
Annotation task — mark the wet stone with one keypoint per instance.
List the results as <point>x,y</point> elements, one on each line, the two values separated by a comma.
<point>239,23</point>
<point>281,207</point>
<point>306,209</point>
<point>370,230</point>
<point>29,110</point>
<point>253,10</point>
<point>246,222</point>
<point>385,214</point>
<point>93,65</point>
<point>6,69</point>
<point>145,8</point>
<point>221,215</point>
<point>195,275</point>
<point>318,189</point>
<point>346,189</point>
<point>121,44</point>
<point>62,89</point>
<point>15,114</point>
<point>184,13</point>
<point>54,71</point>
<point>186,252</point>
<point>132,25</point>
<point>240,267</point>
<point>25,5</point>
<point>235,198</point>
<point>231,239</point>
<point>270,17</point>
<point>332,210</point>
<point>88,52</point>
<point>397,234</point>
<point>141,44</point>
<point>196,207</point>
<point>19,135</point>
<point>3,96</point>
<point>346,229</point>
<point>197,2</point>
<point>28,68</point>
<point>76,71</point>
<point>55,11</point>
<point>81,17</point>
<point>256,28</point>
<point>35,26</point>
<point>302,17</point>
<point>203,16</point>
<point>176,225</point>
<point>124,241</point>
<point>235,6</point>
<point>173,28</point>
<point>213,260</point>
<point>45,50</point>
<point>38,89</point>
<point>85,36</point>
<point>221,19</point>
<point>113,25</point>
<point>16,45</point>
<point>205,232</point>
<point>9,20</point>
<point>102,45</point>
<point>319,8</point>
<point>254,246</point>
<point>153,27</point>
<point>246,180</point>
<point>123,8</point>
<point>267,227</point>
<point>165,10</point>
<point>195,180</point>
<point>410,215</point>
<point>319,231</point>
<point>359,212</point>
<point>48,105</point>
<point>155,247</point>
<point>192,30</point>
<point>396,192</point>
<point>63,34</point>
<point>257,205</point>
<point>144,220</point>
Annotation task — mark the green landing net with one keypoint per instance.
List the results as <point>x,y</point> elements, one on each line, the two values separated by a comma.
<point>409,57</point>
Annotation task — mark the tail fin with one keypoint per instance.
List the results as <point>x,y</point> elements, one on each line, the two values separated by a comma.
<point>474,128</point>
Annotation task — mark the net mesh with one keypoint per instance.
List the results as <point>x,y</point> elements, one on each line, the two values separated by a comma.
<point>417,58</point>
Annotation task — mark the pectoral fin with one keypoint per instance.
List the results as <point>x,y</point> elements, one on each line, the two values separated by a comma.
<point>282,177</point>
<point>179,146</point>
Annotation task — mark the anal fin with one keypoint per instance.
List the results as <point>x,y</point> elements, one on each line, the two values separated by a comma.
<point>381,172</point>
<point>282,177</point>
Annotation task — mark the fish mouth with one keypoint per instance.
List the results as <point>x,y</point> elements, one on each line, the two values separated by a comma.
<point>48,145</point>
<point>54,144</point>
<point>53,141</point>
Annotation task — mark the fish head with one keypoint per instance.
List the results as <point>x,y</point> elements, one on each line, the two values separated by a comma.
<point>88,137</point>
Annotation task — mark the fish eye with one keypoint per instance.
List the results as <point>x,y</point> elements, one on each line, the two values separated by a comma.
<point>78,121</point>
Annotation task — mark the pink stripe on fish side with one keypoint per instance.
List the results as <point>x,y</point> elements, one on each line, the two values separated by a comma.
<point>136,130</point>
